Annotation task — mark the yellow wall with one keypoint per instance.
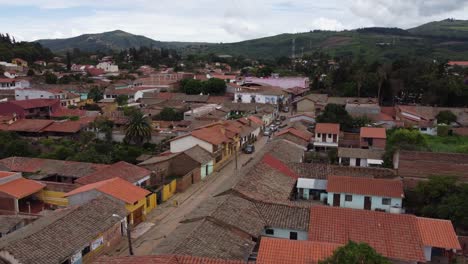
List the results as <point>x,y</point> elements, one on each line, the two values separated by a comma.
<point>152,202</point>
<point>148,207</point>
<point>52,197</point>
<point>169,190</point>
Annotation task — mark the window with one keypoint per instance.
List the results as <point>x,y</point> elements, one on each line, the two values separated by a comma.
<point>293,235</point>
<point>329,135</point>
<point>318,135</point>
<point>386,201</point>
<point>270,231</point>
<point>348,198</point>
<point>85,251</point>
<point>423,129</point>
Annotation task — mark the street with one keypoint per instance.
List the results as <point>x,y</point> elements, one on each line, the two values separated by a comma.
<point>167,216</point>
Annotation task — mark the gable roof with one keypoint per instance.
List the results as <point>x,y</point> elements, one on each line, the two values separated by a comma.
<point>55,238</point>
<point>327,128</point>
<point>373,132</point>
<point>276,251</point>
<point>121,169</point>
<point>322,171</point>
<point>305,135</point>
<point>21,187</point>
<point>29,125</point>
<point>117,188</point>
<point>35,103</point>
<point>365,186</point>
<point>199,154</point>
<point>164,259</point>
<point>438,233</point>
<point>376,154</point>
<point>395,236</point>
<point>278,165</point>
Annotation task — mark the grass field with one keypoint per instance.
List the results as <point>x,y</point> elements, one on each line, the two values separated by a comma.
<point>456,144</point>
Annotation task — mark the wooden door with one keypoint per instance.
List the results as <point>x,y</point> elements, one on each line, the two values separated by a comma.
<point>336,199</point>
<point>324,137</point>
<point>358,162</point>
<point>138,216</point>
<point>367,203</point>
<point>335,138</point>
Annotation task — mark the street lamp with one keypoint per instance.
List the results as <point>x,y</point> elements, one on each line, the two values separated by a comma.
<point>129,237</point>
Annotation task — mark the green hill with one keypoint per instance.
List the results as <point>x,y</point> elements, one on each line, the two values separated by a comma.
<point>113,40</point>
<point>448,28</point>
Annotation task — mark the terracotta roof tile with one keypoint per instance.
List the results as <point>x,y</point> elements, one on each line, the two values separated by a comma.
<point>279,165</point>
<point>164,259</point>
<point>395,236</point>
<point>365,186</point>
<point>438,233</point>
<point>35,103</point>
<point>305,135</point>
<point>327,128</point>
<point>30,125</point>
<point>4,174</point>
<point>116,187</point>
<point>284,251</point>
<point>373,132</point>
<point>121,169</point>
<point>21,187</point>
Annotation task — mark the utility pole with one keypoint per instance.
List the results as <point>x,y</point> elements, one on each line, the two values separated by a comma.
<point>235,156</point>
<point>129,236</point>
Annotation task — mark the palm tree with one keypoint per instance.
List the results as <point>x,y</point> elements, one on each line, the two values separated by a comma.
<point>383,72</point>
<point>138,128</point>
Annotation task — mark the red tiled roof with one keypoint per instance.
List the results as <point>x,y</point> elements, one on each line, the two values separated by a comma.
<point>279,166</point>
<point>63,111</point>
<point>35,103</point>
<point>164,259</point>
<point>438,233</point>
<point>121,169</point>
<point>256,120</point>
<point>327,128</point>
<point>64,127</point>
<point>29,125</point>
<point>7,80</point>
<point>21,187</point>
<point>373,132</point>
<point>285,251</point>
<point>213,134</point>
<point>458,63</point>
<point>117,188</point>
<point>395,236</point>
<point>296,132</point>
<point>365,186</point>
<point>4,174</point>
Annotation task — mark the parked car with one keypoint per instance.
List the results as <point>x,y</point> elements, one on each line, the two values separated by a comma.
<point>267,132</point>
<point>286,109</point>
<point>277,122</point>
<point>273,128</point>
<point>249,149</point>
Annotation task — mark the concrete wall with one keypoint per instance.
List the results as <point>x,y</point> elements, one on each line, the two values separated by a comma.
<point>84,197</point>
<point>259,98</point>
<point>285,233</point>
<point>306,106</point>
<point>34,94</point>
<point>182,144</point>
<point>206,167</point>
<point>182,164</point>
<point>358,202</point>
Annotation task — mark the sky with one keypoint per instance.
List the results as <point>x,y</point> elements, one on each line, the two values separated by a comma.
<point>214,21</point>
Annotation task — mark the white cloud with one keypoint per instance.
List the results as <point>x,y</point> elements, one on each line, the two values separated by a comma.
<point>215,21</point>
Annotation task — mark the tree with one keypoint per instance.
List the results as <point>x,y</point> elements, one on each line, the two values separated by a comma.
<point>50,78</point>
<point>402,139</point>
<point>69,63</point>
<point>334,113</point>
<point>30,72</point>
<point>138,129</point>
<point>96,94</point>
<point>170,114</point>
<point>191,86</point>
<point>355,253</point>
<point>122,99</point>
<point>446,117</point>
<point>214,86</point>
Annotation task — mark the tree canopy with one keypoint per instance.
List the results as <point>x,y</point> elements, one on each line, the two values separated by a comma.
<point>138,129</point>
<point>355,253</point>
<point>211,86</point>
<point>446,117</point>
<point>169,114</point>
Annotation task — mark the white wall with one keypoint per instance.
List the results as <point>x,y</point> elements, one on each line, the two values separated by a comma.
<point>352,162</point>
<point>25,94</point>
<point>428,253</point>
<point>358,202</point>
<point>184,143</point>
<point>259,98</point>
<point>108,67</point>
<point>284,233</point>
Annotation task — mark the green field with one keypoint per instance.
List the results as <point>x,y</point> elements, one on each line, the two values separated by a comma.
<point>451,144</point>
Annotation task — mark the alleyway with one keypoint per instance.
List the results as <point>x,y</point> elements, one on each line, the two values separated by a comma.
<point>166,217</point>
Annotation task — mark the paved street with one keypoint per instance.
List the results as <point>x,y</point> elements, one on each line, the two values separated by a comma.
<point>166,217</point>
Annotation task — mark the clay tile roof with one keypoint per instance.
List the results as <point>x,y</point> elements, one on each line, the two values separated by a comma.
<point>213,135</point>
<point>256,120</point>
<point>35,103</point>
<point>4,174</point>
<point>279,165</point>
<point>21,187</point>
<point>117,188</point>
<point>64,127</point>
<point>365,186</point>
<point>164,259</point>
<point>438,233</point>
<point>395,236</point>
<point>361,153</point>
<point>373,132</point>
<point>284,251</point>
<point>126,171</point>
<point>305,135</point>
<point>29,125</point>
<point>199,154</point>
<point>327,128</point>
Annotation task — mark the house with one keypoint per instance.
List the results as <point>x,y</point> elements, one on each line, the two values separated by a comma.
<point>282,82</point>
<point>7,83</point>
<point>303,118</point>
<point>134,174</point>
<point>421,118</point>
<point>18,194</point>
<point>12,223</point>
<point>108,67</point>
<point>20,62</point>
<point>133,93</point>
<point>327,135</point>
<point>28,127</point>
<point>360,157</point>
<point>420,165</point>
<point>363,110</point>
<point>77,234</point>
<point>372,137</point>
<point>352,100</point>
<point>138,202</point>
<point>312,189</point>
<point>32,108</point>
<point>250,129</point>
<point>66,98</point>
<point>220,139</point>
<point>311,103</point>
<point>198,112</point>
<point>165,259</point>
<point>401,238</point>
<point>365,193</point>
<point>260,94</point>
<point>297,136</point>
